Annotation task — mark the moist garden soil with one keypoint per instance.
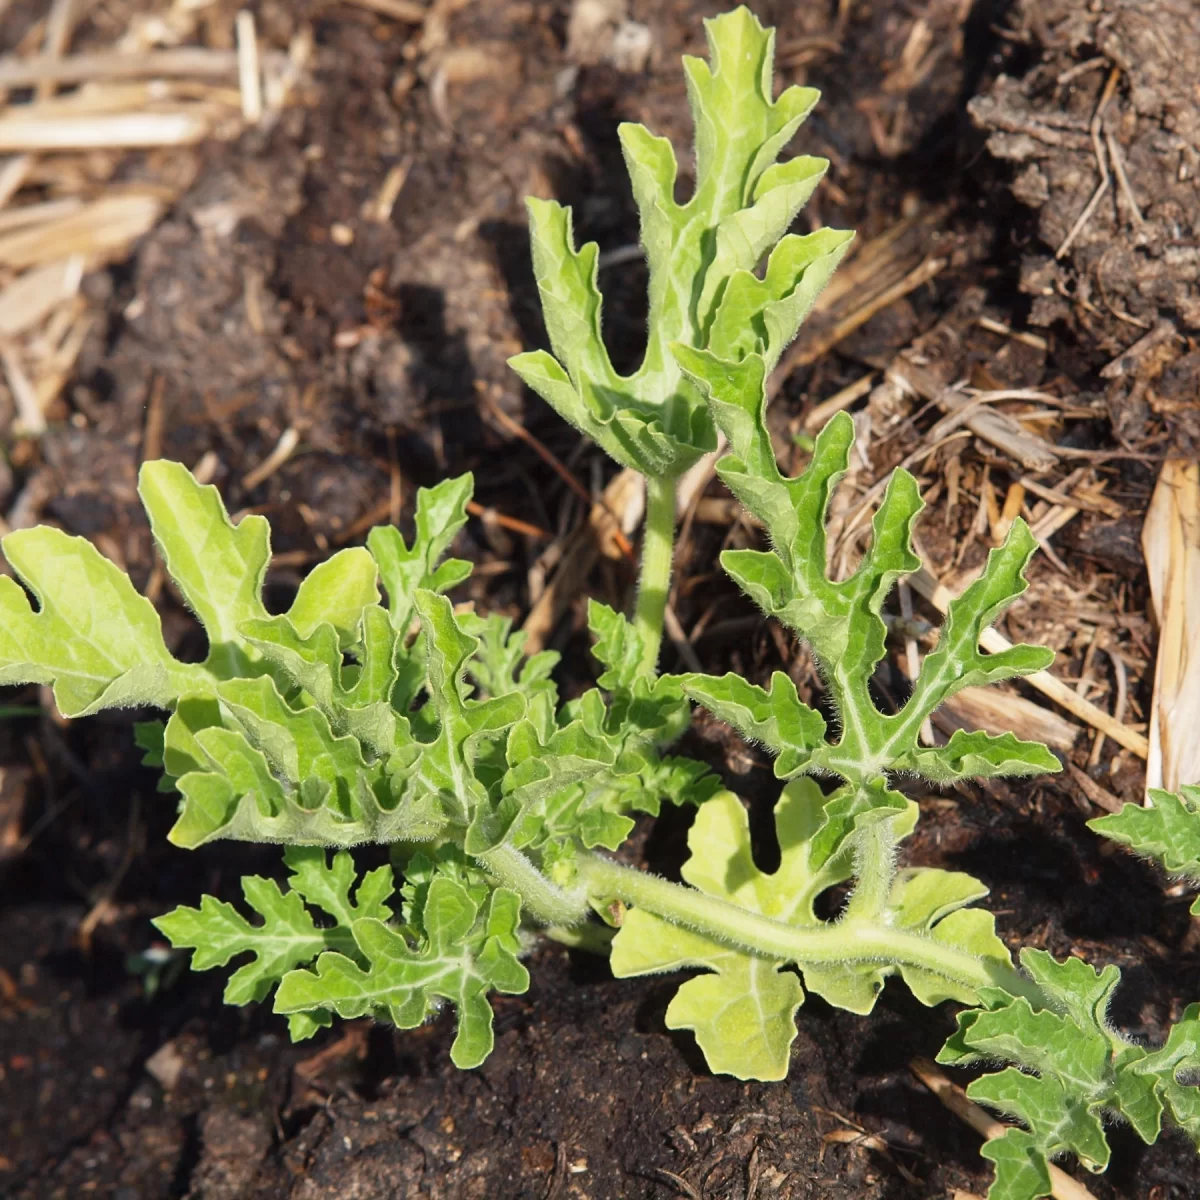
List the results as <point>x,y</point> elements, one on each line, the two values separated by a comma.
<point>250,311</point>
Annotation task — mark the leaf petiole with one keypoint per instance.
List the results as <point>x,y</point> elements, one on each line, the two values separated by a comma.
<point>654,582</point>
<point>853,940</point>
<point>541,899</point>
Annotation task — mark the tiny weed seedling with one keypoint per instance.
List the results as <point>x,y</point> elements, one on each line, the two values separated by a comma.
<point>386,717</point>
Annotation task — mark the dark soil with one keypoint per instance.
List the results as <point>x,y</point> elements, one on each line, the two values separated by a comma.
<point>387,355</point>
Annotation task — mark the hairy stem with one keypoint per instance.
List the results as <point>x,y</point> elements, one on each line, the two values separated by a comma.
<point>875,868</point>
<point>847,941</point>
<point>541,899</point>
<point>658,548</point>
<point>592,937</point>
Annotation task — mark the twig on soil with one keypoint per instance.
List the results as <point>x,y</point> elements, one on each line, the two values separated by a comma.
<point>1118,166</point>
<point>1017,335</point>
<point>955,1099</point>
<point>1121,676</point>
<point>181,62</point>
<point>33,296</point>
<point>249,72</point>
<point>98,231</point>
<point>824,342</point>
<point>284,449</point>
<point>837,402</point>
<point>891,264</point>
<point>625,495</point>
<point>551,460</point>
<point>152,431</point>
<point>1101,165</point>
<point>407,11</point>
<point>12,175</point>
<point>60,22</point>
<point>969,407</point>
<point>105,131</point>
<point>1095,501</point>
<point>998,710</point>
<point>29,411</point>
<point>514,524</point>
<point>1095,792</point>
<point>142,92</point>
<point>678,1182</point>
<point>389,191</point>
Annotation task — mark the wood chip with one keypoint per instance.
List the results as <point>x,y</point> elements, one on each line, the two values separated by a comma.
<point>30,417</point>
<point>407,11</point>
<point>821,413</point>
<point>1095,792</point>
<point>249,72</point>
<point>824,341</point>
<point>12,175</point>
<point>996,710</point>
<point>109,131</point>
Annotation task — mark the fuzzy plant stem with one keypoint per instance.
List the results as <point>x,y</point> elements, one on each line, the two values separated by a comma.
<point>658,548</point>
<point>875,870</point>
<point>851,940</point>
<point>541,899</point>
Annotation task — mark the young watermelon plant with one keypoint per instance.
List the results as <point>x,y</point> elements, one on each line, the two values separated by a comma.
<point>387,717</point>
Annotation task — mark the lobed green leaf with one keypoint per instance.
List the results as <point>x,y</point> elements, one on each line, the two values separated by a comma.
<point>742,1012</point>
<point>465,950</point>
<point>287,935</point>
<point>218,567</point>
<point>702,257</point>
<point>1069,1068</point>
<point>1165,829</point>
<point>441,513</point>
<point>93,637</point>
<point>843,621</point>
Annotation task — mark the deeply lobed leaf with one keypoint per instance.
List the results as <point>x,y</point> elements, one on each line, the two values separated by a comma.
<point>742,1011</point>
<point>843,621</point>
<point>1166,829</point>
<point>1069,1069</point>
<point>288,934</point>
<point>458,948</point>
<point>702,257</point>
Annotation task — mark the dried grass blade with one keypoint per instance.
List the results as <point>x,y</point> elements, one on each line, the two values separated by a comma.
<point>1171,543</point>
<point>95,231</point>
<point>19,132</point>
<point>189,61</point>
<point>34,295</point>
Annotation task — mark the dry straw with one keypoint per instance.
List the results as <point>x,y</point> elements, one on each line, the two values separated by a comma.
<point>71,123</point>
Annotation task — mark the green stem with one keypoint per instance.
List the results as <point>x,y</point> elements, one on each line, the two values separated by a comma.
<point>875,869</point>
<point>843,942</point>
<point>592,937</point>
<point>658,548</point>
<point>541,899</point>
